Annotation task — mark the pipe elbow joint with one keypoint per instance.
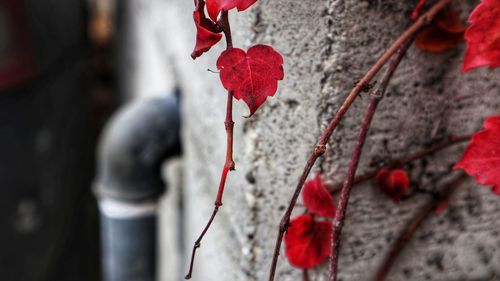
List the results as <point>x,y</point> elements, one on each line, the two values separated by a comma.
<point>133,147</point>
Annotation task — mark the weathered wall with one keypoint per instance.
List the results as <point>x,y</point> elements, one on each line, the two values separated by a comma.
<point>326,46</point>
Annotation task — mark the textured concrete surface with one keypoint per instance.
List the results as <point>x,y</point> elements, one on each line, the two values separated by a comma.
<point>327,46</point>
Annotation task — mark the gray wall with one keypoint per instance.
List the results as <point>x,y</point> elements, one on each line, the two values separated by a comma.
<point>326,46</point>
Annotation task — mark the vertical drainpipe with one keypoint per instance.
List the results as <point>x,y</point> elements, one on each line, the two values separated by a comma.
<point>138,139</point>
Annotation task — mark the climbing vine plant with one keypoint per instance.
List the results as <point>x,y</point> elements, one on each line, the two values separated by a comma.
<point>253,75</point>
<point>250,76</point>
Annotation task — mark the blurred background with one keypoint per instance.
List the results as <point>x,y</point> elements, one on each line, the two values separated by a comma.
<point>66,67</point>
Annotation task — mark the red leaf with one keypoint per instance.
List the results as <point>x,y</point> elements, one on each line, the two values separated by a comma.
<point>394,183</point>
<point>206,36</point>
<point>317,199</point>
<point>214,7</point>
<point>481,158</point>
<point>483,36</point>
<point>251,76</point>
<point>444,33</point>
<point>308,242</point>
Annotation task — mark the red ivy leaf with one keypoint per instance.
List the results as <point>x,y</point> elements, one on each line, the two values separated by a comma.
<point>251,76</point>
<point>308,242</point>
<point>444,33</point>
<point>317,199</point>
<point>394,183</point>
<point>206,36</point>
<point>481,158</point>
<point>483,36</point>
<point>214,7</point>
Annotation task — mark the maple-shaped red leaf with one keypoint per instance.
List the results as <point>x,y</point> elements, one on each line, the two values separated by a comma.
<point>481,158</point>
<point>251,76</point>
<point>206,36</point>
<point>317,199</point>
<point>443,33</point>
<point>394,183</point>
<point>214,7</point>
<point>483,36</point>
<point>308,242</point>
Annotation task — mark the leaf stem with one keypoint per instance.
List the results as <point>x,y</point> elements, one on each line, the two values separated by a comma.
<point>197,243</point>
<point>451,140</point>
<point>305,275</point>
<point>320,147</point>
<point>415,222</point>
<point>229,164</point>
<point>226,28</point>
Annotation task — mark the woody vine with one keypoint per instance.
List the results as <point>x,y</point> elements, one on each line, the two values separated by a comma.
<point>253,75</point>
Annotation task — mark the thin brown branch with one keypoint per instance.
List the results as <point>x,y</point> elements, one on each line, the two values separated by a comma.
<point>305,275</point>
<point>398,162</point>
<point>415,222</point>
<point>346,188</point>
<point>320,147</point>
<point>376,96</point>
<point>197,243</point>
<point>229,164</point>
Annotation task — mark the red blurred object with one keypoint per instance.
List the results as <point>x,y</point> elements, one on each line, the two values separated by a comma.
<point>16,51</point>
<point>308,242</point>
<point>394,183</point>
<point>317,199</point>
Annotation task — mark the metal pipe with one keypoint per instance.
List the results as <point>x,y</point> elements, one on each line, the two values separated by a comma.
<point>129,183</point>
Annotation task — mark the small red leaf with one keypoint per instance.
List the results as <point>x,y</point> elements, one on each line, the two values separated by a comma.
<point>483,36</point>
<point>214,7</point>
<point>205,35</point>
<point>394,183</point>
<point>251,76</point>
<point>481,158</point>
<point>444,33</point>
<point>308,242</point>
<point>317,199</point>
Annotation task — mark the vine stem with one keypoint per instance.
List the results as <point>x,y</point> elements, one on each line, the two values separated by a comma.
<point>451,140</point>
<point>376,96</point>
<point>320,147</point>
<point>415,222</point>
<point>305,275</point>
<point>229,164</point>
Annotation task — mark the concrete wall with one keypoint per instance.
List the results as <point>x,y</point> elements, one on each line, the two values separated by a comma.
<point>326,46</point>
